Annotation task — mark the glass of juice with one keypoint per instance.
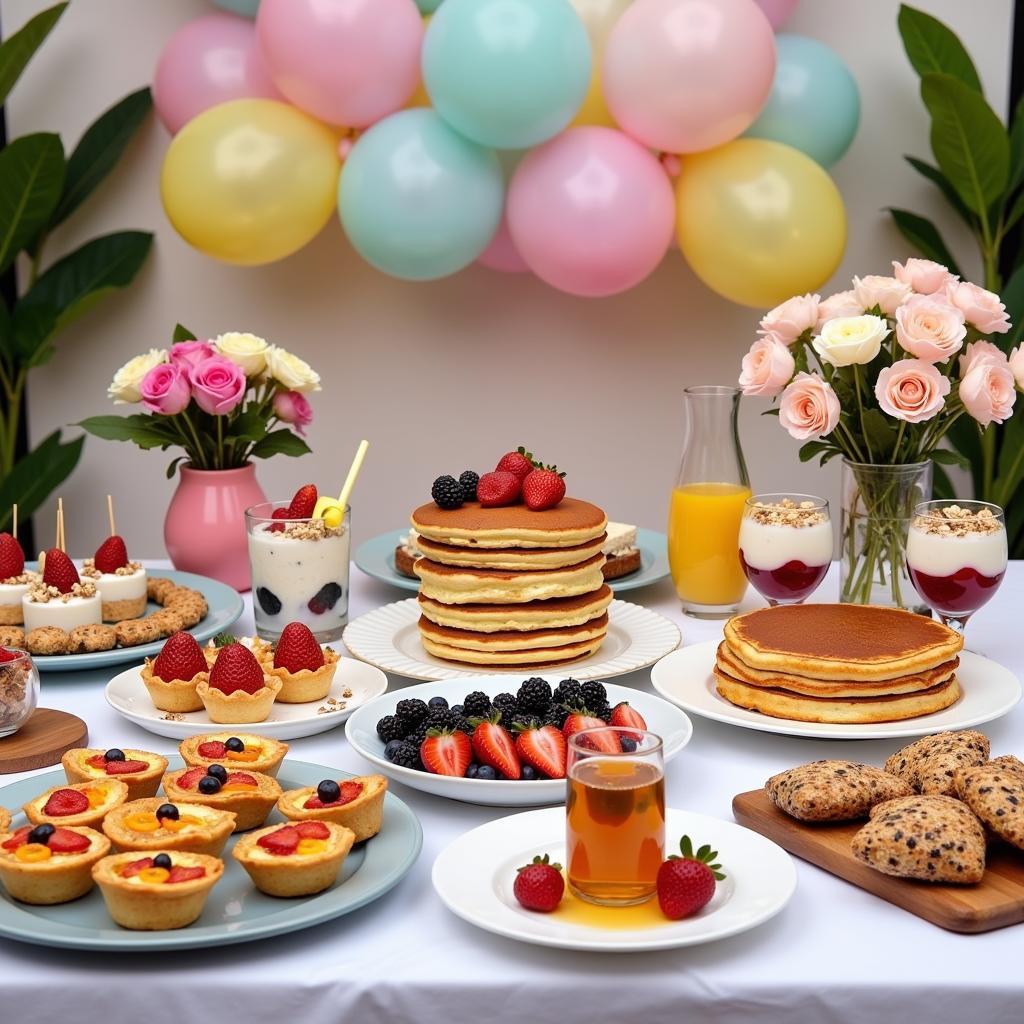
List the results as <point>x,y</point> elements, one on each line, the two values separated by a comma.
<point>614,815</point>
<point>707,505</point>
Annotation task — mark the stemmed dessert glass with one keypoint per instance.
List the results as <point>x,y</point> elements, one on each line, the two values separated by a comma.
<point>956,556</point>
<point>785,545</point>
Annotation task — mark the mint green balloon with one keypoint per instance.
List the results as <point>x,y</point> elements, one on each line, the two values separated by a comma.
<point>506,73</point>
<point>416,199</point>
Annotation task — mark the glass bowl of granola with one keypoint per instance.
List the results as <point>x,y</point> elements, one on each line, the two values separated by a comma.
<point>19,689</point>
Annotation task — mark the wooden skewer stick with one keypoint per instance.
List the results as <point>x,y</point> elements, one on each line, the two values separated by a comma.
<point>56,539</point>
<point>110,515</point>
<point>60,524</point>
<point>14,517</point>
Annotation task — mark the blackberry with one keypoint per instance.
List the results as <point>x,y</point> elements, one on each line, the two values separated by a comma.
<point>506,704</point>
<point>524,721</point>
<point>556,716</point>
<point>408,756</point>
<point>602,710</point>
<point>463,724</point>
<point>390,728</point>
<point>410,712</point>
<point>437,702</point>
<point>447,492</point>
<point>476,705</point>
<point>568,691</point>
<point>594,693</point>
<point>534,694</point>
<point>468,482</point>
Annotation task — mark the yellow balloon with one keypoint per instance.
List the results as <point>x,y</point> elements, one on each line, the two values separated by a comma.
<point>598,17</point>
<point>251,181</point>
<point>759,221</point>
<point>420,97</point>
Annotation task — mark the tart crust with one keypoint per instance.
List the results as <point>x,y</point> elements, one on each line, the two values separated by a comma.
<point>208,836</point>
<point>362,815</point>
<point>239,707</point>
<point>117,794</point>
<point>178,696</point>
<point>59,879</point>
<point>308,685</point>
<point>250,806</point>
<point>272,752</point>
<point>140,784</point>
<point>294,874</point>
<point>5,819</point>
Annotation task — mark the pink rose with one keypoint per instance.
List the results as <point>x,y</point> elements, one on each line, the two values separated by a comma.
<point>292,407</point>
<point>981,352</point>
<point>191,353</point>
<point>911,390</point>
<point>981,309</point>
<point>887,293</point>
<point>926,277</point>
<point>787,322</point>
<point>809,407</point>
<point>930,328</point>
<point>218,385</point>
<point>165,389</point>
<point>1017,365</point>
<point>767,368</point>
<point>987,391</point>
<point>840,304</point>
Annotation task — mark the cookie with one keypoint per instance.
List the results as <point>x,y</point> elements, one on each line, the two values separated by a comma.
<point>158,587</point>
<point>12,636</point>
<point>1010,762</point>
<point>931,838</point>
<point>167,621</point>
<point>47,640</point>
<point>833,790</point>
<point>133,632</point>
<point>995,793</point>
<point>89,639</point>
<point>929,763</point>
<point>191,599</point>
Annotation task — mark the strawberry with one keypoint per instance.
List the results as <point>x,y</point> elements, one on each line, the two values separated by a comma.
<point>687,883</point>
<point>97,761</point>
<point>544,748</point>
<point>214,750</point>
<point>539,885</point>
<point>183,874</point>
<point>64,840</point>
<point>181,657</point>
<point>240,779</point>
<point>282,842</point>
<point>136,866</point>
<point>313,830</point>
<point>624,714</point>
<point>278,513</point>
<point>303,503</point>
<point>12,558</point>
<point>494,746</point>
<point>111,555</point>
<point>236,668</point>
<point>519,463</point>
<point>605,740</point>
<point>191,778</point>
<point>543,488</point>
<point>347,792</point>
<point>19,838</point>
<point>446,752</point>
<point>66,801</point>
<point>59,571</point>
<point>497,489</point>
<point>125,767</point>
<point>297,649</point>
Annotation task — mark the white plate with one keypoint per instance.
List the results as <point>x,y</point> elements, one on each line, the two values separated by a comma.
<point>685,678</point>
<point>388,638</point>
<point>662,718</point>
<point>474,876</point>
<point>127,695</point>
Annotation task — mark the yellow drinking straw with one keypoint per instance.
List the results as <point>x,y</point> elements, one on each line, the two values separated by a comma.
<point>333,512</point>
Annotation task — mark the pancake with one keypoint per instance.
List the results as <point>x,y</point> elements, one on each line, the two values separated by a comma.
<point>513,559</point>
<point>526,659</point>
<point>489,618</point>
<point>512,639</point>
<point>840,642</point>
<point>569,523</point>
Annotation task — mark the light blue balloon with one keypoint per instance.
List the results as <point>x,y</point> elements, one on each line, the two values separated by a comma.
<point>507,73</point>
<point>248,8</point>
<point>416,199</point>
<point>428,6</point>
<point>814,105</point>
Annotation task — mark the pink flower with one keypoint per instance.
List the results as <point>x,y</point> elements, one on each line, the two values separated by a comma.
<point>982,309</point>
<point>987,391</point>
<point>191,353</point>
<point>981,352</point>
<point>218,385</point>
<point>926,277</point>
<point>292,407</point>
<point>840,304</point>
<point>930,328</point>
<point>767,368</point>
<point>165,389</point>
<point>887,293</point>
<point>809,407</point>
<point>911,390</point>
<point>787,322</point>
<point>1017,365</point>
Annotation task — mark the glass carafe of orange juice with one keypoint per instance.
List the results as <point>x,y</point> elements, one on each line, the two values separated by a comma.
<point>707,505</point>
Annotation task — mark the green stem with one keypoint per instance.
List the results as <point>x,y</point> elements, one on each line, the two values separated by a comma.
<point>988,462</point>
<point>219,454</point>
<point>860,407</point>
<point>198,456</point>
<point>899,441</point>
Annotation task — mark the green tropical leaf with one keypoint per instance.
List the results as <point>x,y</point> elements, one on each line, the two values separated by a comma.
<point>931,46</point>
<point>31,179</point>
<point>1013,298</point>
<point>1010,467</point>
<point>937,178</point>
<point>1017,146</point>
<point>17,51</point>
<point>36,475</point>
<point>280,442</point>
<point>181,334</point>
<point>7,343</point>
<point>1015,213</point>
<point>33,326</point>
<point>924,236</point>
<point>963,436</point>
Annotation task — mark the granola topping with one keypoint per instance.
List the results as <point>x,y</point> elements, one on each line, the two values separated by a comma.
<point>25,577</point>
<point>787,513</point>
<point>954,521</point>
<point>89,569</point>
<point>43,594</point>
<point>310,529</point>
<point>15,692</point>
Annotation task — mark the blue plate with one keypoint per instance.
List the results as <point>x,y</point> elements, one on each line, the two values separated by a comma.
<point>225,607</point>
<point>376,558</point>
<point>235,911</point>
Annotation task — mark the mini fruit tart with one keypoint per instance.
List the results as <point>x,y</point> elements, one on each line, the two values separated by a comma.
<point>157,893</point>
<point>235,750</point>
<point>238,690</point>
<point>47,864</point>
<point>139,770</point>
<point>155,824</point>
<point>81,803</point>
<point>172,678</point>
<point>356,803</point>
<point>294,860</point>
<point>5,819</point>
<point>250,796</point>
<point>305,669</point>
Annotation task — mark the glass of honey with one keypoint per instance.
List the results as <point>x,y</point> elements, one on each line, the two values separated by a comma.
<point>615,815</point>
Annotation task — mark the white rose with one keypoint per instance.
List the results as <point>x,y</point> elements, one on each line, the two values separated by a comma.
<point>888,293</point>
<point>124,388</point>
<point>851,340</point>
<point>246,350</point>
<point>292,372</point>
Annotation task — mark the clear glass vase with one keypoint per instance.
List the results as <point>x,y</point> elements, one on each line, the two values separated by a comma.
<point>877,506</point>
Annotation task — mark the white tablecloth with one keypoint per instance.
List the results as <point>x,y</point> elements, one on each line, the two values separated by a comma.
<point>835,954</point>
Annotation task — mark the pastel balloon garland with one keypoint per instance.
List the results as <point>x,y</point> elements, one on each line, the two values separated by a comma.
<point>534,136</point>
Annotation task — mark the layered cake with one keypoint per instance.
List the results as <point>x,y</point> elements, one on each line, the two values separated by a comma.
<point>14,580</point>
<point>61,598</point>
<point>122,584</point>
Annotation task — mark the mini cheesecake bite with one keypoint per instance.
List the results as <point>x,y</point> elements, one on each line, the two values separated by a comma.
<point>235,750</point>
<point>294,860</point>
<point>14,580</point>
<point>46,864</point>
<point>84,803</point>
<point>172,678</point>
<point>60,599</point>
<point>157,824</point>
<point>140,770</point>
<point>250,796</point>
<point>356,803</point>
<point>122,584</point>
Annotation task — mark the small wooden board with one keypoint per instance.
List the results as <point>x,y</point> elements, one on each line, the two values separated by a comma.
<point>41,741</point>
<point>995,902</point>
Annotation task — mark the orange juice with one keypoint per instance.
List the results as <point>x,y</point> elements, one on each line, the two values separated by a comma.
<point>703,543</point>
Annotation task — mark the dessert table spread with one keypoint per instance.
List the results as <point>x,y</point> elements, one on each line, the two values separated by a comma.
<point>835,953</point>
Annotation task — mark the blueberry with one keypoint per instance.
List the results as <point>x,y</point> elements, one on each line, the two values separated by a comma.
<point>208,785</point>
<point>161,860</point>
<point>437,702</point>
<point>391,748</point>
<point>325,598</point>
<point>113,754</point>
<point>457,709</point>
<point>41,834</point>
<point>269,601</point>
<point>485,771</point>
<point>473,770</point>
<point>167,811</point>
<point>527,773</point>
<point>328,791</point>
<point>219,772</point>
<point>233,743</point>
<point>628,744</point>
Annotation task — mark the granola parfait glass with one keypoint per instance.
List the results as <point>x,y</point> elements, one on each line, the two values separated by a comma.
<point>19,689</point>
<point>300,571</point>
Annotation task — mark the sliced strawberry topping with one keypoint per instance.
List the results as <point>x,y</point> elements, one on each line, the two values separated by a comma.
<point>125,767</point>
<point>349,791</point>
<point>303,502</point>
<point>64,840</point>
<point>282,842</point>
<point>97,761</point>
<point>183,874</point>
<point>241,779</point>
<point>191,778</point>
<point>136,866</point>
<point>18,839</point>
<point>213,749</point>
<point>313,830</point>
<point>66,801</point>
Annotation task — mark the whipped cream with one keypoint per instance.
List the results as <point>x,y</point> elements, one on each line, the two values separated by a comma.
<point>943,554</point>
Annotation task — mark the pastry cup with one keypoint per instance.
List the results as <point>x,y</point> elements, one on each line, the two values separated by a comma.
<point>208,834</point>
<point>362,815</point>
<point>104,796</point>
<point>161,906</point>
<point>140,784</point>
<point>294,874</point>
<point>178,696</point>
<point>250,806</point>
<point>5,819</point>
<point>60,879</point>
<point>270,753</point>
<point>238,707</point>
<point>308,685</point>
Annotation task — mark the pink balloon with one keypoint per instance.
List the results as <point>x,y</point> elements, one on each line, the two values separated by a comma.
<point>502,253</point>
<point>687,75</point>
<point>208,61</point>
<point>778,11</point>
<point>347,62</point>
<point>591,211</point>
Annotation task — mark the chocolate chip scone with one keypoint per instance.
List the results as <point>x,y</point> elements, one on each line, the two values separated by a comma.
<point>90,639</point>
<point>832,790</point>
<point>47,640</point>
<point>931,838</point>
<point>929,763</point>
<point>995,793</point>
<point>12,636</point>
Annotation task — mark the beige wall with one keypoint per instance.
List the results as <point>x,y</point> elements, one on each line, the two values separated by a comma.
<point>447,375</point>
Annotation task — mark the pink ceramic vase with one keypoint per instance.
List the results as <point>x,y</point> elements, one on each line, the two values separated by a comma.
<point>204,531</point>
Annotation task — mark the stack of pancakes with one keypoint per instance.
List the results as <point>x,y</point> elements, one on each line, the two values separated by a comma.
<point>838,663</point>
<point>509,586</point>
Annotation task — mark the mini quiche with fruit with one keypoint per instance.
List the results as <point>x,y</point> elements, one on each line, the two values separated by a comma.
<point>235,749</point>
<point>306,670</point>
<point>139,770</point>
<point>238,690</point>
<point>298,859</point>
<point>83,803</point>
<point>47,864</point>
<point>172,677</point>
<point>356,803</point>
<point>155,824</point>
<point>250,796</point>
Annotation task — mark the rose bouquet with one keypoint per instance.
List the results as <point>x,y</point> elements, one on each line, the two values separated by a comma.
<point>219,400</point>
<point>878,375</point>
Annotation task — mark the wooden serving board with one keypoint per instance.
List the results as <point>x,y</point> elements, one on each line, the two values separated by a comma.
<point>995,902</point>
<point>42,741</point>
